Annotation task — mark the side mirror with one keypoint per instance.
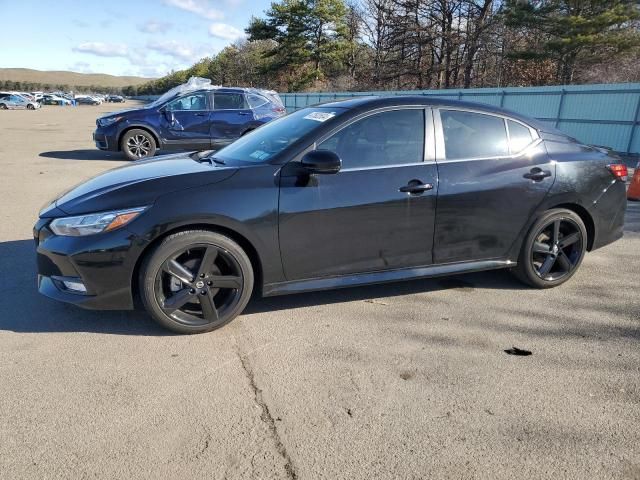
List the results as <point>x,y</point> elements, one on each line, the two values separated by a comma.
<point>168,114</point>
<point>321,161</point>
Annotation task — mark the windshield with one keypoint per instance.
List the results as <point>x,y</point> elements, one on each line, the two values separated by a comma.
<point>262,144</point>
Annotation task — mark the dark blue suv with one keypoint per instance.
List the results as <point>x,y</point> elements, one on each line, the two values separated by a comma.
<point>187,119</point>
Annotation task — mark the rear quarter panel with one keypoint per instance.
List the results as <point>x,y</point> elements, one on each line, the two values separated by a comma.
<point>582,178</point>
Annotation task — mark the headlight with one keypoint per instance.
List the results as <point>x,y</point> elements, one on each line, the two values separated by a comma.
<point>93,222</point>
<point>105,122</point>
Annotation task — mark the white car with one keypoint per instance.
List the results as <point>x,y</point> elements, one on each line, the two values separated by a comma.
<point>14,101</point>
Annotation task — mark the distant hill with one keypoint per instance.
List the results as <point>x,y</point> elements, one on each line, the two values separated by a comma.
<point>68,78</point>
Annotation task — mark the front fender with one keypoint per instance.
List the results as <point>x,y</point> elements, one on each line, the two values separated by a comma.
<point>245,205</point>
<point>128,125</point>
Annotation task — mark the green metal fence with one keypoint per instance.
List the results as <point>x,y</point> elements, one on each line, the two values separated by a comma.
<point>606,115</point>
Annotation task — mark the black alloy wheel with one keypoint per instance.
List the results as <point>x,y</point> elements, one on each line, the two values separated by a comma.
<point>553,249</point>
<point>3,106</point>
<point>557,249</point>
<point>30,107</point>
<point>196,281</point>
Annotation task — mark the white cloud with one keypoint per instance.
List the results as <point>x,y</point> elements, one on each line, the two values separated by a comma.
<point>153,26</point>
<point>102,49</point>
<point>179,51</point>
<point>199,7</point>
<point>225,31</point>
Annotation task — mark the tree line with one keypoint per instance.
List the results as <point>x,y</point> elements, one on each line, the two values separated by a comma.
<point>17,86</point>
<point>325,45</point>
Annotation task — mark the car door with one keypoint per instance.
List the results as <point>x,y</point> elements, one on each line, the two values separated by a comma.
<point>17,102</point>
<point>376,213</point>
<point>494,172</point>
<point>231,117</point>
<point>185,122</point>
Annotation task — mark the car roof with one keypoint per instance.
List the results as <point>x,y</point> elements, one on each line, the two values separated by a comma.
<point>372,102</point>
<point>227,90</point>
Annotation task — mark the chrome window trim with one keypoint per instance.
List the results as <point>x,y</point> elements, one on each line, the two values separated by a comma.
<point>440,146</point>
<point>383,167</point>
<point>428,154</point>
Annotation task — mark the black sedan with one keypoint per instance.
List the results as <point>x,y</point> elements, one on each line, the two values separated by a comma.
<point>87,101</point>
<point>348,193</point>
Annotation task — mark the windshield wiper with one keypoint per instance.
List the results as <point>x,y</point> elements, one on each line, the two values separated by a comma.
<point>206,156</point>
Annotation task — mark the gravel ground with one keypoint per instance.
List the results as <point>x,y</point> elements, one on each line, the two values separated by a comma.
<point>407,380</point>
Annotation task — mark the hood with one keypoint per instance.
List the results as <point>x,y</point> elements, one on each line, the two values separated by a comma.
<point>138,184</point>
<point>124,111</point>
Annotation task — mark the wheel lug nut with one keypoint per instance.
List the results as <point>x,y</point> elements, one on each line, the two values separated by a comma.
<point>192,290</point>
<point>209,283</point>
<point>202,292</point>
<point>202,275</point>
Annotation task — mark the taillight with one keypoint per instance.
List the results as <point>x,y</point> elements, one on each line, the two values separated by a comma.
<point>279,109</point>
<point>619,170</point>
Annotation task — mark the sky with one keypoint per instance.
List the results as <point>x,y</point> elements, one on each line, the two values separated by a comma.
<point>145,38</point>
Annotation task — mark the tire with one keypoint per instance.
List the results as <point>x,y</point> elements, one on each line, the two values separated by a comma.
<point>175,287</point>
<point>30,107</point>
<point>553,249</point>
<point>137,144</point>
<point>3,106</point>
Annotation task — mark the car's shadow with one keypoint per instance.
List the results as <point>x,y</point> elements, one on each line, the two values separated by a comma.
<point>25,310</point>
<point>86,154</point>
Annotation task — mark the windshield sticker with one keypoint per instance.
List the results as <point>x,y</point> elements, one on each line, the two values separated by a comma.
<point>259,155</point>
<point>320,116</point>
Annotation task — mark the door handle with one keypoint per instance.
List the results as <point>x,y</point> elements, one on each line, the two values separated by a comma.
<point>202,114</point>
<point>243,113</point>
<point>537,174</point>
<point>416,186</point>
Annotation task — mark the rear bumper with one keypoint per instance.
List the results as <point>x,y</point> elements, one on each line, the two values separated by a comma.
<point>608,215</point>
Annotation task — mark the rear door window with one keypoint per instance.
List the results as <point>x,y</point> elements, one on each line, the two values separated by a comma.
<point>473,135</point>
<point>229,101</point>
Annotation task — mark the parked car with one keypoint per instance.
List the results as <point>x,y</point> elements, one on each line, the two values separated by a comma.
<point>202,119</point>
<point>50,99</point>
<point>14,101</point>
<point>88,101</point>
<point>361,191</point>
<point>115,99</point>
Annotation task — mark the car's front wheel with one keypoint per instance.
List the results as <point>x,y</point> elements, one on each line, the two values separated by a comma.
<point>196,281</point>
<point>30,107</point>
<point>553,249</point>
<point>137,144</point>
<point>3,106</point>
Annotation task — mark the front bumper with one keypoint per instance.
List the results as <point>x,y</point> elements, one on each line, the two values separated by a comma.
<point>106,138</point>
<point>104,263</point>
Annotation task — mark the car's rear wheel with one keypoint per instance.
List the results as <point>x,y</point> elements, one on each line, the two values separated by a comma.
<point>553,249</point>
<point>3,106</point>
<point>137,144</point>
<point>30,107</point>
<point>196,281</point>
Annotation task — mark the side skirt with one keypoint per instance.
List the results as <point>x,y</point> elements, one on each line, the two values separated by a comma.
<point>345,281</point>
